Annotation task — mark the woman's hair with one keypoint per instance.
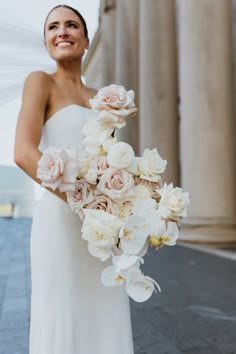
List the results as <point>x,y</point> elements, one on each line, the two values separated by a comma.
<point>76,12</point>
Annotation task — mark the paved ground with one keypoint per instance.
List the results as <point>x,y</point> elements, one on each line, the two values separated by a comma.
<point>194,314</point>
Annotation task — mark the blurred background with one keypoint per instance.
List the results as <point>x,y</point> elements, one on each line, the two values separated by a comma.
<point>179,56</point>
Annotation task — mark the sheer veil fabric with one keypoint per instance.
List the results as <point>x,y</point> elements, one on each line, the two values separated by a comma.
<point>22,51</point>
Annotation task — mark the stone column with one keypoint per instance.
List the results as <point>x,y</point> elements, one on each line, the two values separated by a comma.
<point>107,23</point>
<point>126,61</point>
<point>158,82</point>
<point>207,121</point>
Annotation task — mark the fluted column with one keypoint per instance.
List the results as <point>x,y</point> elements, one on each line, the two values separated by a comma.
<point>107,21</point>
<point>158,82</point>
<point>207,122</point>
<point>126,61</point>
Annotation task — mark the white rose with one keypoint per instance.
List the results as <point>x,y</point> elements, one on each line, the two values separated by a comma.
<point>150,165</point>
<point>84,166</point>
<point>173,202</point>
<point>100,228</point>
<point>91,175</point>
<point>152,187</point>
<point>108,142</point>
<point>99,235</point>
<point>116,184</point>
<point>98,139</point>
<point>120,155</point>
<point>71,171</point>
<point>102,217</point>
<point>141,192</point>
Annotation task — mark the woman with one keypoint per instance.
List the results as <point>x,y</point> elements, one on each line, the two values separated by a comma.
<point>71,311</point>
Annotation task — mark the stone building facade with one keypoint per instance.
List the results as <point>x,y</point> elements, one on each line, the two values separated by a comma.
<point>180,59</point>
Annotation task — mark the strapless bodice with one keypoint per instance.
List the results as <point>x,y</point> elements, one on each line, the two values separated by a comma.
<point>64,128</point>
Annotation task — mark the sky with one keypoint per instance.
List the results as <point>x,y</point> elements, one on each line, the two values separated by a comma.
<point>31,15</point>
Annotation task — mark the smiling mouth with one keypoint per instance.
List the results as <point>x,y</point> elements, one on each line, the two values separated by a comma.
<point>64,44</point>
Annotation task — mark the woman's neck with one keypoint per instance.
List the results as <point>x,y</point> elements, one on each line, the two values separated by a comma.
<point>69,71</point>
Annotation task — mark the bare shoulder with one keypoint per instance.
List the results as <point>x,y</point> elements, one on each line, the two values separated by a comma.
<point>38,78</point>
<point>37,89</point>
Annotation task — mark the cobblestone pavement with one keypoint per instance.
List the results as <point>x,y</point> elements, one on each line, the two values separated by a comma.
<point>194,314</point>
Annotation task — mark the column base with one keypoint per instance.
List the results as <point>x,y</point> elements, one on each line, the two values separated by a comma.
<point>208,230</point>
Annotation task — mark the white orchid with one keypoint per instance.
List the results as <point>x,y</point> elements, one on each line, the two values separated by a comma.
<point>126,206</point>
<point>116,274</point>
<point>143,207</point>
<point>133,234</point>
<point>124,262</point>
<point>161,233</point>
<point>140,287</point>
<point>103,253</point>
<point>110,277</point>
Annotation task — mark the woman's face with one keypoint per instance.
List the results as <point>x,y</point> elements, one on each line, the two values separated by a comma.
<point>64,35</point>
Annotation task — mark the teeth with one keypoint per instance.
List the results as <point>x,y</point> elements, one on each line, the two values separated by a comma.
<point>64,44</point>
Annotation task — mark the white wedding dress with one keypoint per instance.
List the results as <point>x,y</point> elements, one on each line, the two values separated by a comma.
<point>71,311</point>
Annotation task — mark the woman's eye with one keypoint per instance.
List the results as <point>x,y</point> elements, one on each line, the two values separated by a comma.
<point>51,27</point>
<point>73,25</point>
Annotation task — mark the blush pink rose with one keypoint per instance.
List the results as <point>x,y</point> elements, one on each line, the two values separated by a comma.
<point>51,167</point>
<point>112,97</point>
<point>83,194</point>
<point>103,202</point>
<point>115,104</point>
<point>116,184</point>
<point>58,168</point>
<point>102,165</point>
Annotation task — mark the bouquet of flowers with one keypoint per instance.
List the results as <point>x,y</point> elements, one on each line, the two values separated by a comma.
<point>121,199</point>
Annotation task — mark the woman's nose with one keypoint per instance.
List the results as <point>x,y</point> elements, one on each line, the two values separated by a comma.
<point>62,31</point>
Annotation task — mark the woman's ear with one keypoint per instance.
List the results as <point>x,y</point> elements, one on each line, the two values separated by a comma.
<point>87,43</point>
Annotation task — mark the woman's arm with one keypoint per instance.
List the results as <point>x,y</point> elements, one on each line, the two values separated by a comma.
<point>35,99</point>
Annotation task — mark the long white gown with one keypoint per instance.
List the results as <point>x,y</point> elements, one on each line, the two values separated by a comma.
<point>71,311</point>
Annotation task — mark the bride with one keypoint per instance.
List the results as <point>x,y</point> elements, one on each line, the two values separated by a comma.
<point>71,311</point>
